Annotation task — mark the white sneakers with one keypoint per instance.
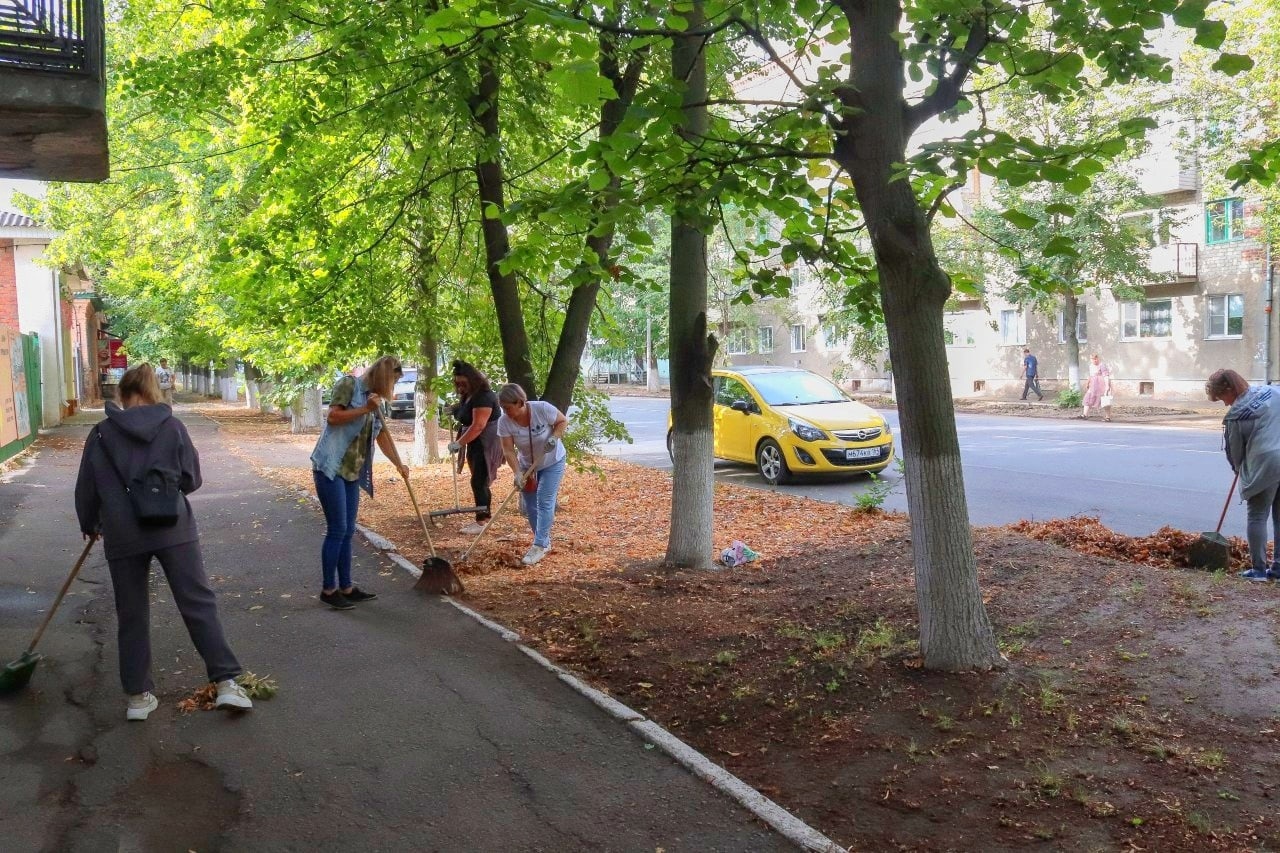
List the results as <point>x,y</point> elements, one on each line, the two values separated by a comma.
<point>231,697</point>
<point>534,554</point>
<point>140,706</point>
<point>475,528</point>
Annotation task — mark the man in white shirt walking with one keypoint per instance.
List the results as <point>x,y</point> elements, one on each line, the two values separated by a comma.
<point>165,377</point>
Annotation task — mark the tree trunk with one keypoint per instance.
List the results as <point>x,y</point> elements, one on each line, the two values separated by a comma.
<point>306,411</point>
<point>426,428</point>
<point>1070,318</point>
<point>567,362</point>
<point>491,179</point>
<point>689,542</point>
<point>251,393</point>
<point>871,138</point>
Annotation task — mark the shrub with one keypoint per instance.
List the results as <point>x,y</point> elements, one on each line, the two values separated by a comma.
<point>1070,398</point>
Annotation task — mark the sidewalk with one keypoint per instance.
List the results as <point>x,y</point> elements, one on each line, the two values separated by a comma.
<point>402,725</point>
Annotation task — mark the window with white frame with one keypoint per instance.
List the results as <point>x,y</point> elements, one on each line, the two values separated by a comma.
<point>957,330</point>
<point>798,337</point>
<point>1013,328</point>
<point>1151,319</point>
<point>764,336</point>
<point>1082,325</point>
<point>737,341</point>
<point>1226,316</point>
<point>832,337</point>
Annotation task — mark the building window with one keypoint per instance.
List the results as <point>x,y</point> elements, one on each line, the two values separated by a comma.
<point>737,341</point>
<point>1082,325</point>
<point>797,337</point>
<point>1226,316</point>
<point>957,331</point>
<point>1152,319</point>
<point>832,337</point>
<point>1012,329</point>
<point>1224,221</point>
<point>765,337</point>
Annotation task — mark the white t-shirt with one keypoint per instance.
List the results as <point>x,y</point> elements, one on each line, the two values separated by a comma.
<point>165,377</point>
<point>542,417</point>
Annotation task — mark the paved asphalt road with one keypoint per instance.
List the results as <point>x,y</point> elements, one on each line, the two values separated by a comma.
<point>1135,477</point>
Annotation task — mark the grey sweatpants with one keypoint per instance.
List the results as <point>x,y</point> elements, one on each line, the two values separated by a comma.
<point>184,568</point>
<point>1263,510</point>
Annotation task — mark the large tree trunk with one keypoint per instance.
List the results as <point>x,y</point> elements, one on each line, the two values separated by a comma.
<point>955,632</point>
<point>490,178</point>
<point>689,542</point>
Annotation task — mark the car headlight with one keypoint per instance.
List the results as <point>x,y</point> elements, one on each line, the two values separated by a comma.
<point>808,433</point>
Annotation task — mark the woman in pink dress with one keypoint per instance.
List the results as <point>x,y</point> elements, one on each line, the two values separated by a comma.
<point>1096,387</point>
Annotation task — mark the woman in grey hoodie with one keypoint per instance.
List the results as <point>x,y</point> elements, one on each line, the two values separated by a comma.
<point>141,435</point>
<point>1251,437</point>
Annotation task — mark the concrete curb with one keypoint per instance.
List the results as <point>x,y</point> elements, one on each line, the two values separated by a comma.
<point>782,821</point>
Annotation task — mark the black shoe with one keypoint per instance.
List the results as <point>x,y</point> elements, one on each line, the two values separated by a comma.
<point>1041,398</point>
<point>336,600</point>
<point>358,595</point>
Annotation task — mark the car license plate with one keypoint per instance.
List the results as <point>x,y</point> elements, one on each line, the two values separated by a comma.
<point>862,453</point>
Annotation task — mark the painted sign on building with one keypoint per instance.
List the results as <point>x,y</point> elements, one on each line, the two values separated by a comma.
<point>15,412</point>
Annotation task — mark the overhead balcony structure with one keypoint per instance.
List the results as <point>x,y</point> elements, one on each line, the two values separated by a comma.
<point>53,123</point>
<point>1179,262</point>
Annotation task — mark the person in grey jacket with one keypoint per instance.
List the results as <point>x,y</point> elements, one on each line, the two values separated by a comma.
<point>1251,438</point>
<point>137,435</point>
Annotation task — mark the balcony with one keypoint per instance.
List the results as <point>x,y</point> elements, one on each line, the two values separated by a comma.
<point>53,123</point>
<point>1179,261</point>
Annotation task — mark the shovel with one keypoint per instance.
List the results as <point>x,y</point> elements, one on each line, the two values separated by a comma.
<point>1212,551</point>
<point>17,673</point>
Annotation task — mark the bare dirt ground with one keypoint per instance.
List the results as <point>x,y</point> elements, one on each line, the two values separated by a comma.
<point>1139,709</point>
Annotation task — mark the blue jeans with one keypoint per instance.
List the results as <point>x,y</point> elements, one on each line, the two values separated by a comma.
<point>341,501</point>
<point>540,507</point>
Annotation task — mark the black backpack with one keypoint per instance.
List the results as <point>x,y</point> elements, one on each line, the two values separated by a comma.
<point>154,493</point>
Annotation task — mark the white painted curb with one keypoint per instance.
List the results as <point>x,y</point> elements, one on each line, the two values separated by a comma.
<point>785,823</point>
<point>503,632</point>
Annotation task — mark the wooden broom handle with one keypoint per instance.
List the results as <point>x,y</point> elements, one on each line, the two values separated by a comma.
<point>75,570</point>
<point>1230,492</point>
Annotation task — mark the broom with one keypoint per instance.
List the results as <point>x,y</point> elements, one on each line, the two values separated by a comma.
<point>437,577</point>
<point>18,672</point>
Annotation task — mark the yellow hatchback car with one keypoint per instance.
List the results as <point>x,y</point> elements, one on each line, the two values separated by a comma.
<point>790,421</point>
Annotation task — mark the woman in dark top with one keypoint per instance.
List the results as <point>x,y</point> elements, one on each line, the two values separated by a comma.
<point>140,435</point>
<point>477,415</point>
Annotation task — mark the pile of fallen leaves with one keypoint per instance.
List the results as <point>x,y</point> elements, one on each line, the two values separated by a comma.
<point>203,698</point>
<point>1167,548</point>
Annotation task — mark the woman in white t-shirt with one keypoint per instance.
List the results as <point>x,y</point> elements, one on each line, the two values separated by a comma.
<point>530,431</point>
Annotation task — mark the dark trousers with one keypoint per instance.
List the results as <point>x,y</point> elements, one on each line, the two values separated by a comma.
<point>1032,384</point>
<point>479,478</point>
<point>184,568</point>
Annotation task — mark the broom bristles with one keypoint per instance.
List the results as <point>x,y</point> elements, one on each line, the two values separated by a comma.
<point>439,580</point>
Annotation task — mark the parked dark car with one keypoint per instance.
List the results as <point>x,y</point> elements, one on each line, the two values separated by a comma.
<point>402,402</point>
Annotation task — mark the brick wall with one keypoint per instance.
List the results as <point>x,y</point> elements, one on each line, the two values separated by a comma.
<point>8,287</point>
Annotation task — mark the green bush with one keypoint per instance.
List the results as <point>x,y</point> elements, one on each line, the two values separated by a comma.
<point>1070,398</point>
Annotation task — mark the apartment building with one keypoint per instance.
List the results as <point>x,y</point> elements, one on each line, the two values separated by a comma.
<point>1211,307</point>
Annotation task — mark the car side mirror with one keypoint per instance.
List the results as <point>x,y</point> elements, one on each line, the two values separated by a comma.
<point>741,406</point>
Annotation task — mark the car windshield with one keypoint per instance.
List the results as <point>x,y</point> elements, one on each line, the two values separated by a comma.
<point>798,388</point>
<point>410,377</point>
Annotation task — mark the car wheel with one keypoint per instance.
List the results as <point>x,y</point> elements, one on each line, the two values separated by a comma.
<point>772,464</point>
<point>671,449</point>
